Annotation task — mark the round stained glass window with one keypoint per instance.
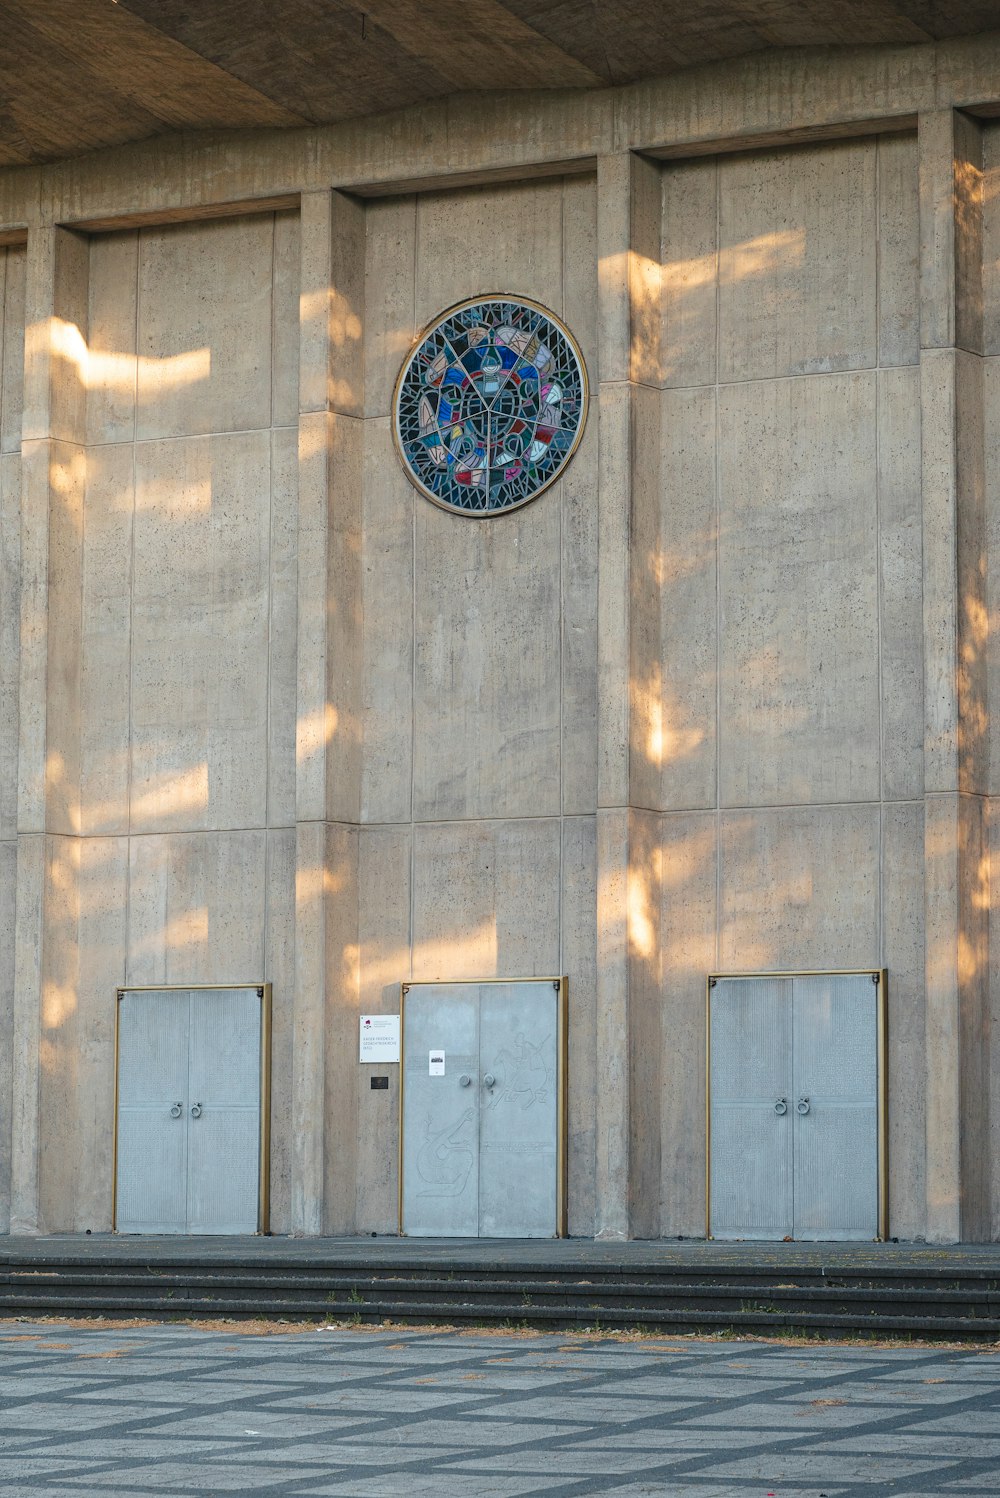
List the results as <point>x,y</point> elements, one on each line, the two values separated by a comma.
<point>490,405</point>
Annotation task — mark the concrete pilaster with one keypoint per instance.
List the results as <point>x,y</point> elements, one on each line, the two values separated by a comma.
<point>955,741</point>
<point>48,804</point>
<point>628,242</point>
<point>328,770</point>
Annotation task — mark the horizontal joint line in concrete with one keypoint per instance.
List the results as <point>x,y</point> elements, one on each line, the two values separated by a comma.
<point>321,822</point>
<point>562,816</point>
<point>834,129</point>
<point>681,811</point>
<point>541,816</point>
<point>132,834</point>
<point>812,374</point>
<point>317,822</point>
<point>201,212</point>
<point>285,426</point>
<point>954,348</point>
<point>331,411</point>
<point>959,791</point>
<point>456,178</point>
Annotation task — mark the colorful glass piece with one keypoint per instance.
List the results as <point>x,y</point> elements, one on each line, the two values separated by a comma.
<point>490,405</point>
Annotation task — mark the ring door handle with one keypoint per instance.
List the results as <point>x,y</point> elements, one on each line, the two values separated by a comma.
<point>195,1110</point>
<point>177,1110</point>
<point>802,1106</point>
<point>780,1106</point>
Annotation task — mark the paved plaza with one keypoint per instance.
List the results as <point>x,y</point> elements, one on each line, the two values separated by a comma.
<point>136,1411</point>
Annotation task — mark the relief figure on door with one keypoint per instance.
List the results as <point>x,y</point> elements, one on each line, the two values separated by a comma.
<point>521,1074</point>
<point>445,1160</point>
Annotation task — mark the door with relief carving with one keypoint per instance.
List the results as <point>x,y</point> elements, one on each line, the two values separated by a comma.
<point>482,1142</point>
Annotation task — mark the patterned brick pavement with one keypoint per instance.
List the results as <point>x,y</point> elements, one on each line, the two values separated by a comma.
<point>170,1409</point>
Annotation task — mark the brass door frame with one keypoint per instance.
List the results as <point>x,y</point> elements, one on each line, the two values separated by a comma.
<point>561,986</point>
<point>263,991</point>
<point>880,976</point>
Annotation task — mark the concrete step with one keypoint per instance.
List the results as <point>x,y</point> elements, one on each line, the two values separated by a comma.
<point>950,1304</point>
<point>703,1294</point>
<point>888,1280</point>
<point>748,1320</point>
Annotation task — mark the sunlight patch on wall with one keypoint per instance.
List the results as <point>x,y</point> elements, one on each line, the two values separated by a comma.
<point>187,791</point>
<point>315,731</point>
<point>100,370</point>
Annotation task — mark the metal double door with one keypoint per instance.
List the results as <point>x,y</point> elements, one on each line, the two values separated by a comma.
<point>480,1144</point>
<point>188,1149</point>
<point>795,1125</point>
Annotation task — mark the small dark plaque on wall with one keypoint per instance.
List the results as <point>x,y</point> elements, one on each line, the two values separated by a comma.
<point>380,1084</point>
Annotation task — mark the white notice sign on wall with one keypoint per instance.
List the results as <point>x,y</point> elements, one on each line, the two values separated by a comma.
<point>435,1063</point>
<point>379,1037</point>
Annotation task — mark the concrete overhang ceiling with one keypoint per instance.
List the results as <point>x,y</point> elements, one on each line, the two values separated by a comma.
<point>77,75</point>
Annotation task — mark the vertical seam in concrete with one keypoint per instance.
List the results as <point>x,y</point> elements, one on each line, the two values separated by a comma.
<point>562,606</point>
<point>878,253</point>
<point>81,445</point>
<point>270,560</point>
<point>131,610</point>
<point>413,615</point>
<point>633,162</point>
<point>4,268</point>
<point>936,74</point>
<point>8,1136</point>
<point>880,921</point>
<point>956,580</point>
<point>718,567</point>
<point>271,320</point>
<point>265,943</point>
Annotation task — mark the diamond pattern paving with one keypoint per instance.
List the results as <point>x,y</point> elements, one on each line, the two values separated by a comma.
<point>172,1409</point>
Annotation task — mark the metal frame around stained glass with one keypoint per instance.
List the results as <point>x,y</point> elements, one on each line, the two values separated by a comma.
<point>463,393</point>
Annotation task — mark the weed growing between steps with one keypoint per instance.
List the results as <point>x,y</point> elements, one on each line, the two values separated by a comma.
<point>245,1326</point>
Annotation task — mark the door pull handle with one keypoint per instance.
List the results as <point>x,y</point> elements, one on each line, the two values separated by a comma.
<point>465,1080</point>
<point>489,1080</point>
<point>195,1110</point>
<point>780,1106</point>
<point>802,1106</point>
<point>177,1110</point>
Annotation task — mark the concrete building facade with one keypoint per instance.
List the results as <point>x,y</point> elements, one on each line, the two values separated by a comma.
<point>720,700</point>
